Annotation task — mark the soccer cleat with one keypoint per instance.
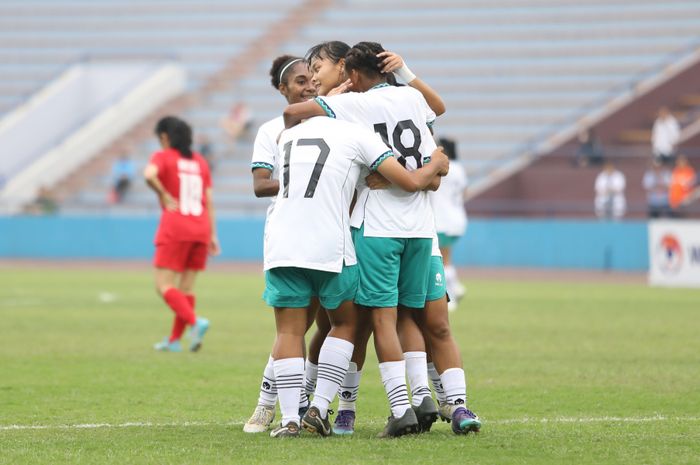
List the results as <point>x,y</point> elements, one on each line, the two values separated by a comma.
<point>465,421</point>
<point>260,420</point>
<point>290,430</point>
<point>426,413</point>
<point>344,422</point>
<point>166,346</point>
<point>445,412</point>
<point>395,427</point>
<point>313,423</point>
<point>197,333</point>
<point>303,410</point>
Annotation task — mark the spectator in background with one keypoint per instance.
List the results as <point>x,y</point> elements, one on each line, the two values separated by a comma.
<point>206,149</point>
<point>238,121</point>
<point>123,172</point>
<point>610,200</point>
<point>682,188</point>
<point>665,136</point>
<point>589,152</point>
<point>656,182</point>
<point>44,204</point>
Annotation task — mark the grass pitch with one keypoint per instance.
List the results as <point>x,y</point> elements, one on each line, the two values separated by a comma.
<point>560,373</point>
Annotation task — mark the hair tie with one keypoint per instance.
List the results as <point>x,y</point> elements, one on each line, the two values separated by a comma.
<point>287,66</point>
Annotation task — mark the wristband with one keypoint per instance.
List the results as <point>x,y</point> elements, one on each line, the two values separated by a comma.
<point>405,74</point>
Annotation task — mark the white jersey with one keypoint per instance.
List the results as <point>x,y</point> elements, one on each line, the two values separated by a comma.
<point>265,149</point>
<point>448,202</point>
<point>321,160</point>
<point>401,116</point>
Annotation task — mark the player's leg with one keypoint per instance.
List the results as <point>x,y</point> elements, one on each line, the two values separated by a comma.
<point>413,288</point>
<point>196,262</point>
<point>169,261</point>
<point>445,355</point>
<point>350,387</point>
<point>454,287</point>
<point>336,292</point>
<point>289,291</point>
<point>323,326</point>
<point>379,262</point>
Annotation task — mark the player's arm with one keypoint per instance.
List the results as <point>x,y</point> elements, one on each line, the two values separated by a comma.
<point>393,63</point>
<point>417,180</point>
<point>150,174</point>
<point>376,181</point>
<point>297,112</point>
<point>214,245</point>
<point>263,184</point>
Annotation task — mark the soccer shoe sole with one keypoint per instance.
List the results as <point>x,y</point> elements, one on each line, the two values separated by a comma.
<point>407,424</point>
<point>196,345</point>
<point>469,426</point>
<point>313,423</point>
<point>426,414</point>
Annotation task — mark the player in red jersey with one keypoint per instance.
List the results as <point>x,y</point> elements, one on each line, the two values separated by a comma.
<point>187,230</point>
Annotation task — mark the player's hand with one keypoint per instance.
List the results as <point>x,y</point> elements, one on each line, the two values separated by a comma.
<point>214,246</point>
<point>438,156</point>
<point>341,89</point>
<point>377,181</point>
<point>169,202</point>
<point>390,61</point>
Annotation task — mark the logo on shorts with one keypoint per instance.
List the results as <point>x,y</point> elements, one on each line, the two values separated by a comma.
<point>346,394</point>
<point>438,279</point>
<point>266,386</point>
<point>670,254</point>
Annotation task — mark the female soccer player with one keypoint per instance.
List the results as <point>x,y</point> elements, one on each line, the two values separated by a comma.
<point>309,252</point>
<point>290,76</point>
<point>394,230</point>
<point>187,230</point>
<point>434,319</point>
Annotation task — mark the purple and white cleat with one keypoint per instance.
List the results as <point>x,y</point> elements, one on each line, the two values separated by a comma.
<point>344,422</point>
<point>465,421</point>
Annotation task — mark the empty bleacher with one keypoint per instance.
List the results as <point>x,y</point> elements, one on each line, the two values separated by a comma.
<point>509,71</point>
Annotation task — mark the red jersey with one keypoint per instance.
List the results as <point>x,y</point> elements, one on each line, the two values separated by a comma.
<point>186,180</point>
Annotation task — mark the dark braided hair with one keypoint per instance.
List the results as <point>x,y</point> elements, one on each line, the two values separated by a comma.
<point>334,50</point>
<point>179,134</point>
<point>278,65</point>
<point>363,58</point>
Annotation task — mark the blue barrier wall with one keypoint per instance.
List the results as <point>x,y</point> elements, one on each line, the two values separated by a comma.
<point>492,242</point>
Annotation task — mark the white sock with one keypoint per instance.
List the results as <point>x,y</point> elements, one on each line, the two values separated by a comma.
<point>394,379</point>
<point>333,362</point>
<point>347,393</point>
<point>437,383</point>
<point>417,372</point>
<point>455,386</point>
<point>289,373</point>
<point>310,377</point>
<point>268,386</point>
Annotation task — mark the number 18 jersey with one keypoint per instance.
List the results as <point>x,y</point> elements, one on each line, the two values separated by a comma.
<point>186,180</point>
<point>401,116</point>
<point>320,162</point>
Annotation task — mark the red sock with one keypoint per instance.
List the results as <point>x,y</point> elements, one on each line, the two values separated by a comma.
<point>178,323</point>
<point>177,301</point>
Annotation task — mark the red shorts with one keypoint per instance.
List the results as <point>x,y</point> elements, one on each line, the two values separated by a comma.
<point>181,256</point>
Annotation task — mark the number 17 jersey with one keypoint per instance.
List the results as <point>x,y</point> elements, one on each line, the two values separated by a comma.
<point>319,161</point>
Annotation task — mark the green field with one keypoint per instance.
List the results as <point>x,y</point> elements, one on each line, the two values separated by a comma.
<point>560,373</point>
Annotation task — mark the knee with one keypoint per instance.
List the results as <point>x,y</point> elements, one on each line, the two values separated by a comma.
<point>439,330</point>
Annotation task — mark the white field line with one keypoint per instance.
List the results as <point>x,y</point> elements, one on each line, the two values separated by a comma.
<point>581,420</point>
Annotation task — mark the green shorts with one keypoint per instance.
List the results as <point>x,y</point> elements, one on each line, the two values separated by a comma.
<point>446,241</point>
<point>393,271</point>
<point>292,287</point>
<point>436,280</point>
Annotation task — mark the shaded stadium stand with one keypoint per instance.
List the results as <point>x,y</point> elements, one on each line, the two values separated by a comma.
<point>510,74</point>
